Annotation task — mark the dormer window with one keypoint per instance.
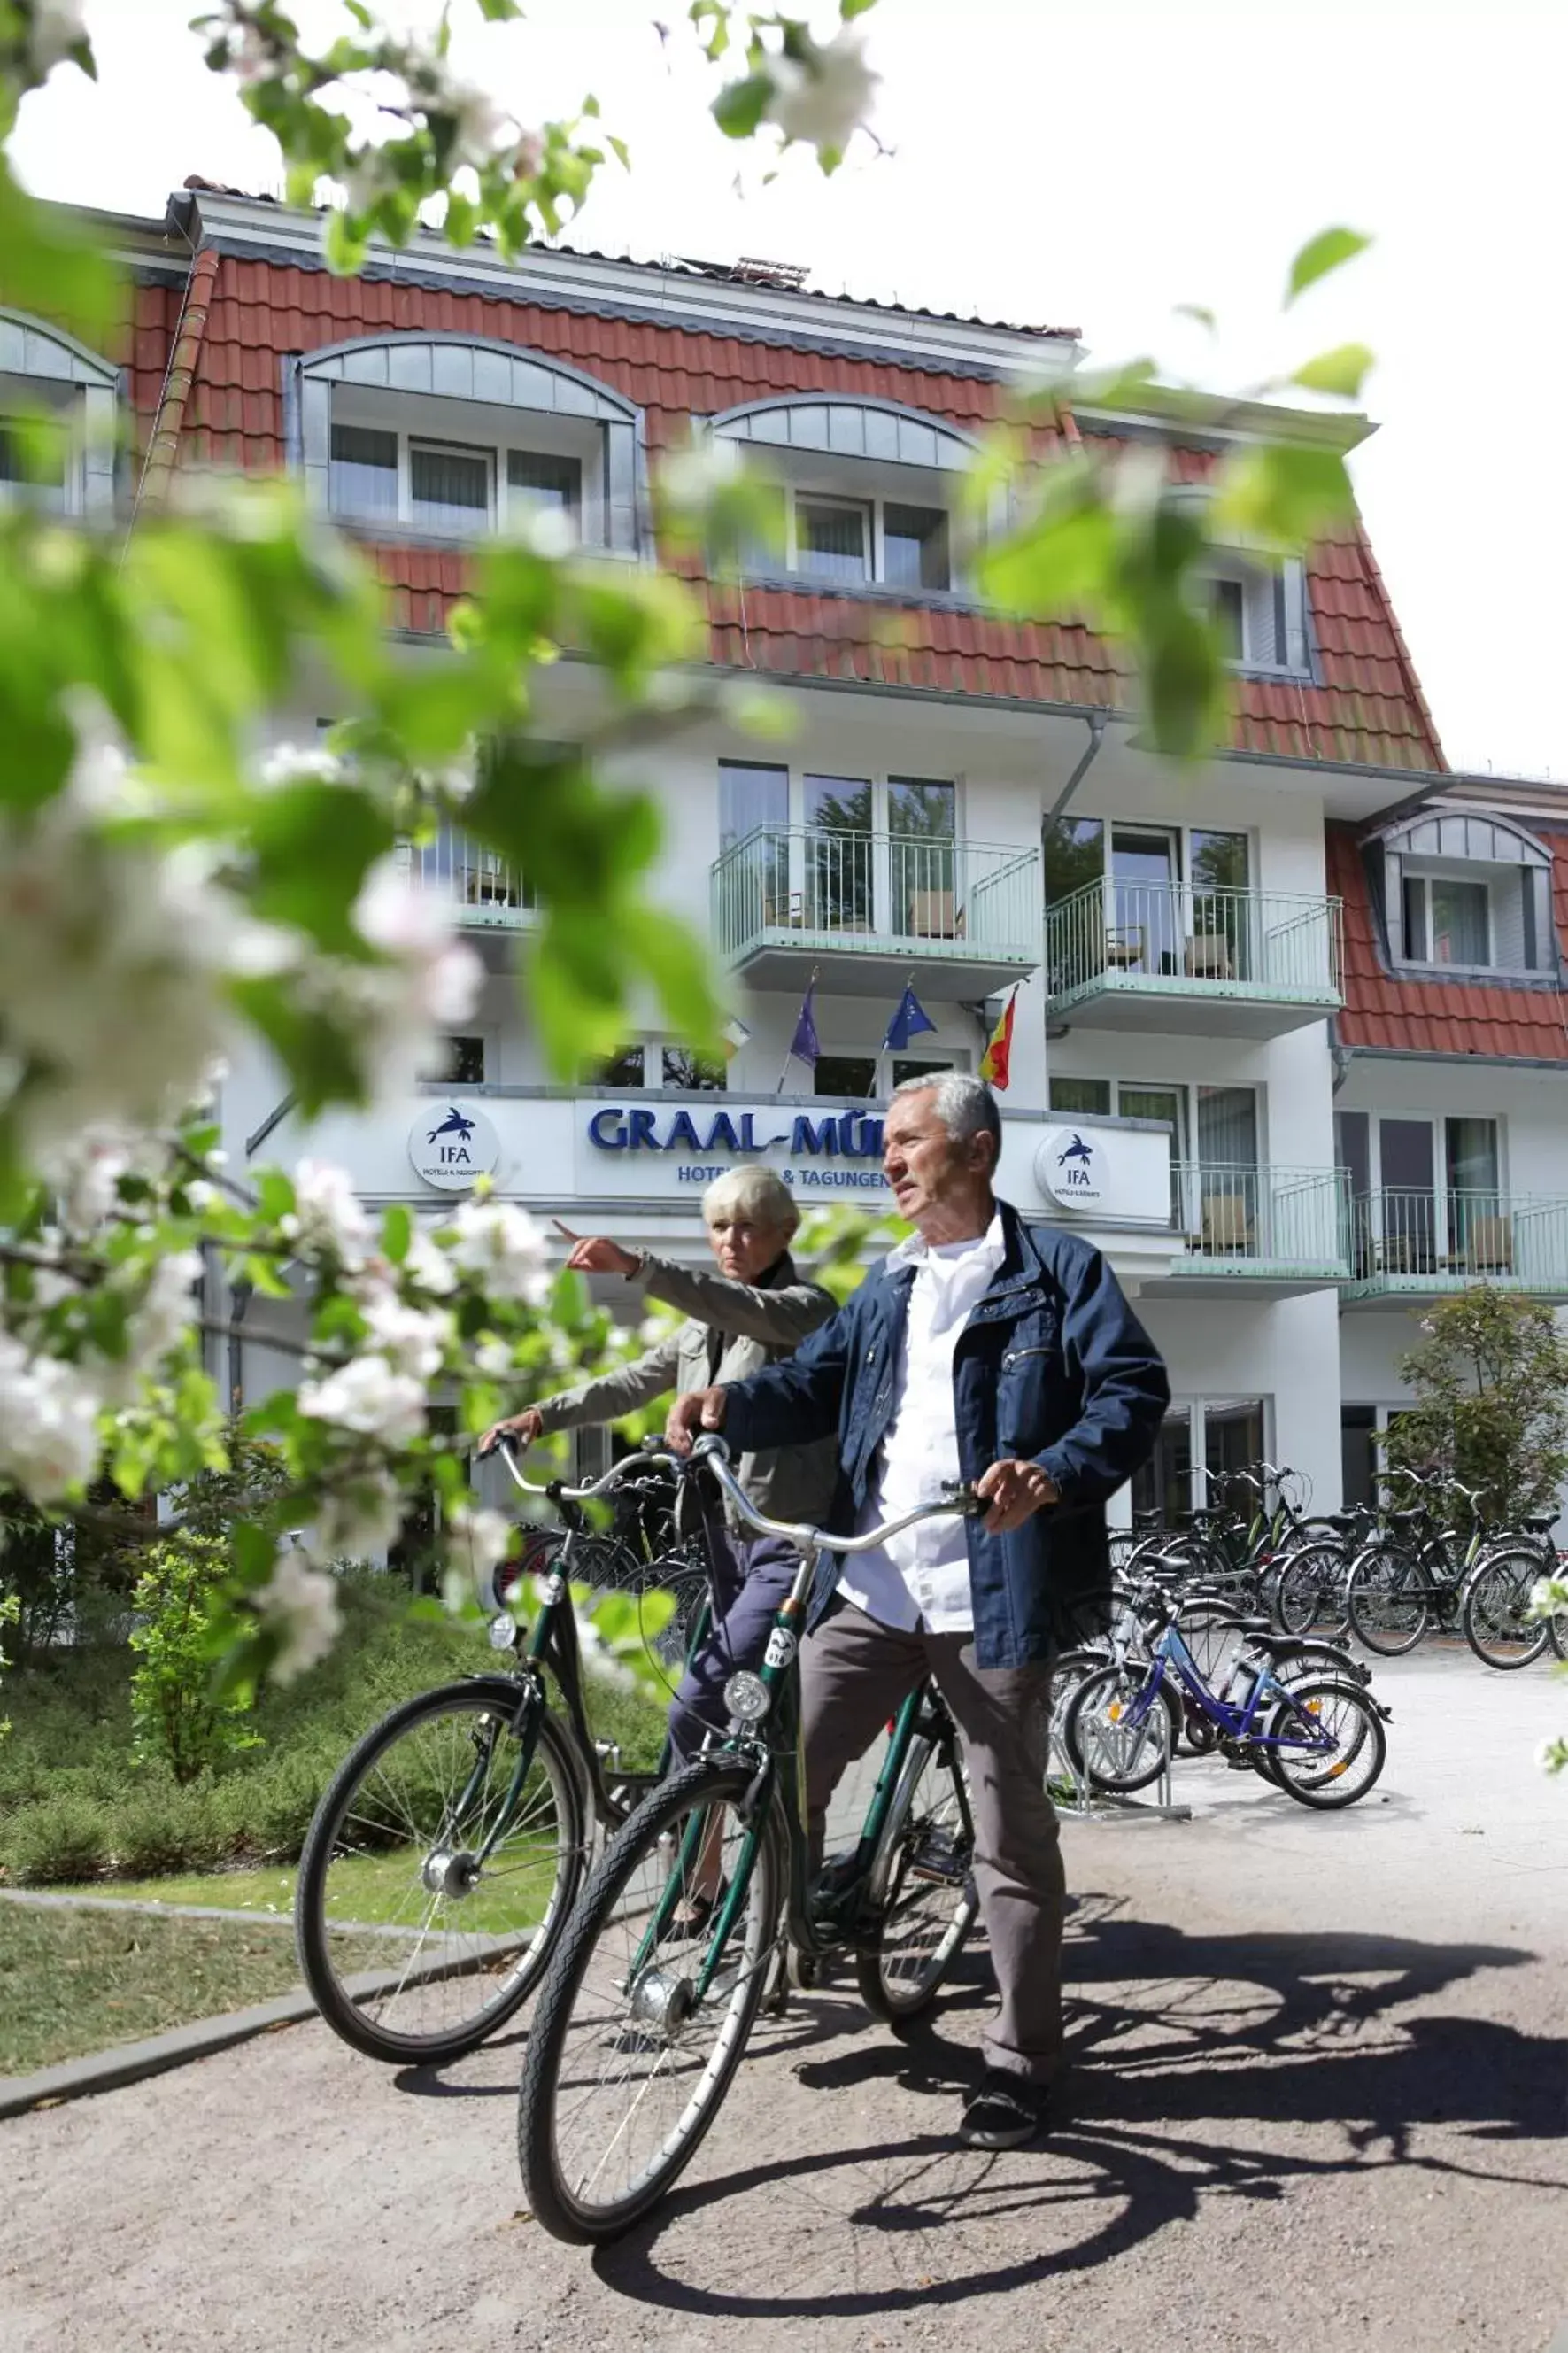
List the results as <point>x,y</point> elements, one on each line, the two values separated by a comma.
<point>1469,893</point>
<point>57,413</point>
<point>453,437</point>
<point>1260,611</point>
<point>866,491</point>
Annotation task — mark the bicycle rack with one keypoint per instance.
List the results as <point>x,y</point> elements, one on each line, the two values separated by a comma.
<point>1088,1804</point>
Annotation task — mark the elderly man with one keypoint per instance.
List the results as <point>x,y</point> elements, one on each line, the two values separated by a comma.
<point>1004,1355</point>
<point>755,1310</point>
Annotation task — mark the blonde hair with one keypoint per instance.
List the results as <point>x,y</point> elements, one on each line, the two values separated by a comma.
<point>755,1193</point>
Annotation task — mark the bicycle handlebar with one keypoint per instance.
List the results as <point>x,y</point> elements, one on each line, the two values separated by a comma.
<point>555,1492</point>
<point>714,1456</point>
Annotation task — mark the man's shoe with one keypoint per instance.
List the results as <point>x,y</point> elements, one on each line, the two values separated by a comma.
<point>1001,2112</point>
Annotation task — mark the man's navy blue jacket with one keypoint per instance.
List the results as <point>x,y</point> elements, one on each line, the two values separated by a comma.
<point>1052,1366</point>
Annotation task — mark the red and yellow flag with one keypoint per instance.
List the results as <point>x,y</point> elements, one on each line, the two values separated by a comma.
<point>995,1060</point>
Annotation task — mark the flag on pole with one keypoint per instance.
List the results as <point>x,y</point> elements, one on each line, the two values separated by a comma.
<point>803,1046</point>
<point>995,1060</point>
<point>910,1018</point>
<point>734,1035</point>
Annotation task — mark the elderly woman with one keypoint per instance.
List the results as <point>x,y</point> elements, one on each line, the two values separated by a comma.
<point>755,1310</point>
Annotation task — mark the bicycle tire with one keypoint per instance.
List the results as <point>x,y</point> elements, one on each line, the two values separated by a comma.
<point>924,1843</point>
<point>1308,1577</point>
<point>1325,1786</point>
<point>1119,1762</point>
<point>363,1791</point>
<point>1386,1615</point>
<point>1496,1612</point>
<point>640,2012</point>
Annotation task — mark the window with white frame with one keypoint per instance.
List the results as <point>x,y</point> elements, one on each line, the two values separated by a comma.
<point>455,436</point>
<point>652,1066</point>
<point>58,412</point>
<point>1464,891</point>
<point>456,489</point>
<point>870,1074</point>
<point>1202,1442</point>
<point>1427,1192</point>
<point>1260,609</point>
<point>836,853</point>
<point>866,491</point>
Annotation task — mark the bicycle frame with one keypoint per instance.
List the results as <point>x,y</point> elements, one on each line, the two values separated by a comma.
<point>1233,1720</point>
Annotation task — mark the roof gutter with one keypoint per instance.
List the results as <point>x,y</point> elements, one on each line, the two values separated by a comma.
<point>163,447</point>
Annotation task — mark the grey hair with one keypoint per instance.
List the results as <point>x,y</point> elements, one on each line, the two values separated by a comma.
<point>965,1106</point>
<point>755,1193</point>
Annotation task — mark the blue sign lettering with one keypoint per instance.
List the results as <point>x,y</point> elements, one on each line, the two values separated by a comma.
<point>607,1130</point>
<point>848,1136</point>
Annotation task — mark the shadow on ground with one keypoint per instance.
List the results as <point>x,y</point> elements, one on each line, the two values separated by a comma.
<point>1202,2065</point>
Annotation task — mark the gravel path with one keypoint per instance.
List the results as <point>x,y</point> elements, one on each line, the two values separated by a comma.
<point>1320,2098</point>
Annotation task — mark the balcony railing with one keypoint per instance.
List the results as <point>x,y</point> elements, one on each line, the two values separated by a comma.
<point>484,890</point>
<point>1250,1219</point>
<point>1436,1239</point>
<point>1150,938</point>
<point>963,901</point>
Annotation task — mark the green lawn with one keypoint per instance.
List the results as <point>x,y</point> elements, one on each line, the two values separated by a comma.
<point>77,1981</point>
<point>369,1889</point>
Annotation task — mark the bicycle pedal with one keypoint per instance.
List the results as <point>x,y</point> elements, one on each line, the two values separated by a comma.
<point>940,1863</point>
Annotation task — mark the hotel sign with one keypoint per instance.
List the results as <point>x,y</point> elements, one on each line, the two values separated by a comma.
<point>827,1151</point>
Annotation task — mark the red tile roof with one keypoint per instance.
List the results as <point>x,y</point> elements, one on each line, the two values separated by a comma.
<point>1367,710</point>
<point>1411,1015</point>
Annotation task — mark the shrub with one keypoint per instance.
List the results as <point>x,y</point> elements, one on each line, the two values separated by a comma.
<point>178,1715</point>
<point>65,1837</point>
<point>1491,1389</point>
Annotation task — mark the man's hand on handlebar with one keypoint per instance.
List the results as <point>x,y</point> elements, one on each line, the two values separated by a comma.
<point>691,1415</point>
<point>524,1427</point>
<point>1015,1491</point>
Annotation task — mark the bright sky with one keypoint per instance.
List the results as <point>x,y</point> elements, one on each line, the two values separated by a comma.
<point>1092,166</point>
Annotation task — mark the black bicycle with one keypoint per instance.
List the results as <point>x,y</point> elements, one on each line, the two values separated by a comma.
<point>459,1828</point>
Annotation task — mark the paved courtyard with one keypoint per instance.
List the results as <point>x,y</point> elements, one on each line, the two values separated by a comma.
<point>1320,2096</point>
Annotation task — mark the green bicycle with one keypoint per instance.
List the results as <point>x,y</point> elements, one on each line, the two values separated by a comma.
<point>709,1894</point>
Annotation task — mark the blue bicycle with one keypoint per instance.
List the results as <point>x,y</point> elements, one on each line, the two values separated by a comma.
<point>1317,1736</point>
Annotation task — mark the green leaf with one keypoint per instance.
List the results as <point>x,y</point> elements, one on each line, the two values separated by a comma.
<point>1341,371</point>
<point>619,150</point>
<point>849,9</point>
<point>1200,315</point>
<point>396,1231</point>
<point>1284,493</point>
<point>1328,251</point>
<point>739,106</point>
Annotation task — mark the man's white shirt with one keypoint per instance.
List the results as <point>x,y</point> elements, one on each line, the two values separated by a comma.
<point>922,1577</point>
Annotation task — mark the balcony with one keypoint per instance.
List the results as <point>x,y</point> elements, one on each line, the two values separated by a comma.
<point>1261,1233</point>
<point>1421,1244</point>
<point>863,909</point>
<point>485,892</point>
<point>1232,964</point>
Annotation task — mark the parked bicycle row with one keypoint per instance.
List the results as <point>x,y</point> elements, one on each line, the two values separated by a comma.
<point>1430,1563</point>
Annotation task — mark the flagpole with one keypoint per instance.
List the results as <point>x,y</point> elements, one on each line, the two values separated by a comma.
<point>789,1050</point>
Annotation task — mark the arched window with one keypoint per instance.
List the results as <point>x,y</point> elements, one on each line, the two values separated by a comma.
<point>865,489</point>
<point>1466,889</point>
<point>47,376</point>
<point>451,436</point>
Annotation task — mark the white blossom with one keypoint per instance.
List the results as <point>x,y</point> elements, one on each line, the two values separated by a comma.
<point>356,1520</point>
<point>299,1606</point>
<point>426,1265</point>
<point>115,951</point>
<point>327,1214</point>
<point>599,1659</point>
<point>503,1247</point>
<point>294,763</point>
<point>412,1339</point>
<point>48,1423</point>
<point>366,1394</point>
<point>168,1307</point>
<point>482,130</point>
<point>492,1357</point>
<point>478,1539</point>
<point>1549,1595</point>
<point>57,26</point>
<point>826,101</point>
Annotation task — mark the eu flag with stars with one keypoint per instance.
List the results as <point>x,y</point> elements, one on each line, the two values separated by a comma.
<point>908,1022</point>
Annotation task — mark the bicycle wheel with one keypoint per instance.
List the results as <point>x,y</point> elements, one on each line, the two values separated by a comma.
<point>1119,1750</point>
<point>1496,1616</point>
<point>1308,1592</point>
<point>1385,1601</point>
<point>630,2057</point>
<point>1340,1714</point>
<point>391,1854</point>
<point>1209,1628</point>
<point>922,1883</point>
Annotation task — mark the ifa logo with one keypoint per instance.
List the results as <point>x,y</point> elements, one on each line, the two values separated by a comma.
<point>454,1151</point>
<point>1071,1168</point>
